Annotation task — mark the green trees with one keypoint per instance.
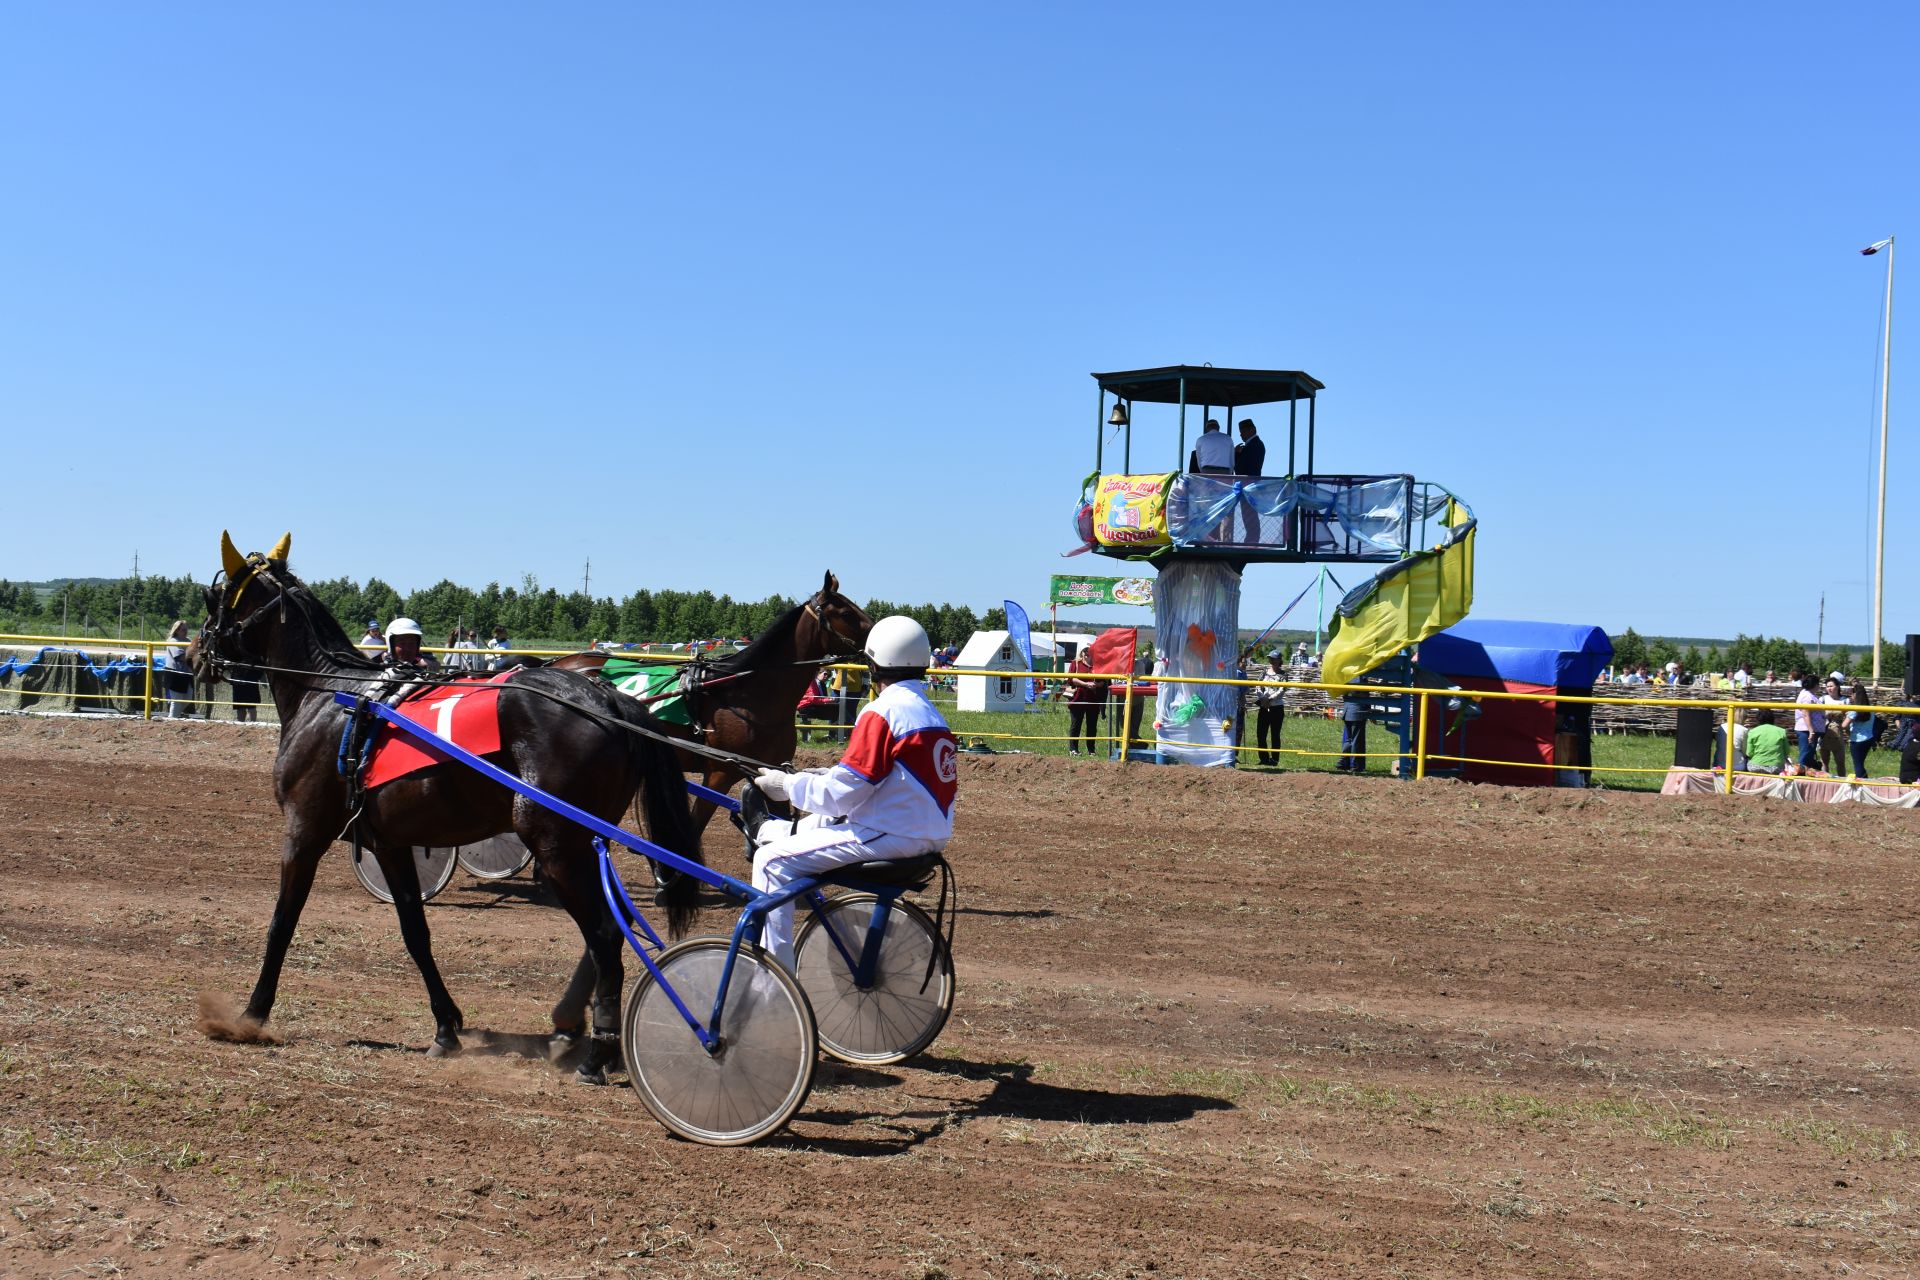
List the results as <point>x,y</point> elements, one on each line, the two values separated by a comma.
<point>101,606</point>
<point>1629,650</point>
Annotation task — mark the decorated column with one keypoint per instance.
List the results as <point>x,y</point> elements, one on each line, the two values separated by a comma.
<point>1196,613</point>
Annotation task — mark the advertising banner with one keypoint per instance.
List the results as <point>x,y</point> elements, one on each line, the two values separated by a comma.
<point>1079,589</point>
<point>1131,511</point>
<point>1020,631</point>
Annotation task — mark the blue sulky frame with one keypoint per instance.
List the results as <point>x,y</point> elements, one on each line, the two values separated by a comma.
<point>755,904</point>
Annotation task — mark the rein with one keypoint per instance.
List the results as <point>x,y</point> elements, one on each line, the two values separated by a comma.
<point>432,679</point>
<point>222,629</point>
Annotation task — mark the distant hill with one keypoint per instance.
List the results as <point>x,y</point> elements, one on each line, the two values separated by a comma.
<point>55,584</point>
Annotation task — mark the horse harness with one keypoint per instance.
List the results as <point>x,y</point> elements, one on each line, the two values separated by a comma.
<point>696,675</point>
<point>222,628</point>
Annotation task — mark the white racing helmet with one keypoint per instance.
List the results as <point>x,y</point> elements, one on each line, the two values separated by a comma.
<point>402,627</point>
<point>899,643</point>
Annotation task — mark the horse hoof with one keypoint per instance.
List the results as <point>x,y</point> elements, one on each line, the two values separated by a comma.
<point>590,1075</point>
<point>562,1043</point>
<point>444,1048</point>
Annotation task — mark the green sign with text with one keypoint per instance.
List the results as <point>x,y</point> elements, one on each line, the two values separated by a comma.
<point>1072,589</point>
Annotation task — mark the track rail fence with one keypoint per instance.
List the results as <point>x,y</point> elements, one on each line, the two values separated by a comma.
<point>128,678</point>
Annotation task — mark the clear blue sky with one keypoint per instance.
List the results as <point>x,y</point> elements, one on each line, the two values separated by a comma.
<point>723,296</point>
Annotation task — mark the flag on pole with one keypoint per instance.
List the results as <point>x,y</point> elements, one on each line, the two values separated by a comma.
<point>1112,652</point>
<point>1877,245</point>
<point>1021,633</point>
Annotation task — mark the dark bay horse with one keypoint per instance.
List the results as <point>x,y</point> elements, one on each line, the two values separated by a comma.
<point>261,615</point>
<point>745,702</point>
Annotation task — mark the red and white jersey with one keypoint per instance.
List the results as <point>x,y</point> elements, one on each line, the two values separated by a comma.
<point>900,772</point>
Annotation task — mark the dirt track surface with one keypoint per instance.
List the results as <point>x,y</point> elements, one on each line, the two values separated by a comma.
<point>1208,1025</point>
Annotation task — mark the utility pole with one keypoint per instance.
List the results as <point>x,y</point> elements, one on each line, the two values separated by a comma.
<point>1880,520</point>
<point>586,579</point>
<point>1820,633</point>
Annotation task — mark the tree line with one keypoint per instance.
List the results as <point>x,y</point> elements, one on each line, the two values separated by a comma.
<point>530,613</point>
<point>1761,653</point>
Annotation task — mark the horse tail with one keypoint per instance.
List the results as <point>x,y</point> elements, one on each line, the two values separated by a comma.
<point>662,797</point>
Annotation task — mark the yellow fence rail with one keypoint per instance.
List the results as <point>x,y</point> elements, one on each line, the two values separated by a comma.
<point>1418,757</point>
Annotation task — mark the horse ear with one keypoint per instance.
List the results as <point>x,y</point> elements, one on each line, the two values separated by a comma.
<point>230,557</point>
<point>281,548</point>
<point>832,584</point>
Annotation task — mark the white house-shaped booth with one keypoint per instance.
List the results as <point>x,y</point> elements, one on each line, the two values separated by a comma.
<point>992,651</point>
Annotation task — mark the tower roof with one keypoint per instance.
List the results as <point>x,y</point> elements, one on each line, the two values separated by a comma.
<point>1208,385</point>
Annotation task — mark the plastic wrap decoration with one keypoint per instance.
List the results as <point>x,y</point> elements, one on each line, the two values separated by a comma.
<point>117,684</point>
<point>17,664</point>
<point>1196,611</point>
<point>1362,517</point>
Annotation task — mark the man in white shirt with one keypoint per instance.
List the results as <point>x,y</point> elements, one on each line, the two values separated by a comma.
<point>1212,452</point>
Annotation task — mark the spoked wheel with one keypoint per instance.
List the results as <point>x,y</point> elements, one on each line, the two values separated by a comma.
<point>903,1009</point>
<point>433,866</point>
<point>758,1077</point>
<point>495,858</point>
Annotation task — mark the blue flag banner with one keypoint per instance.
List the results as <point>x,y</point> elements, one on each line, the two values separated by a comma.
<point>1021,633</point>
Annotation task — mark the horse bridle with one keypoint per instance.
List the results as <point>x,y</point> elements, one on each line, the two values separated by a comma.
<point>819,616</point>
<point>221,627</point>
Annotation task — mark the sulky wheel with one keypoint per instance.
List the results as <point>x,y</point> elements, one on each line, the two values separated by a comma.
<point>902,1009</point>
<point>496,858</point>
<point>433,866</point>
<point>761,1073</point>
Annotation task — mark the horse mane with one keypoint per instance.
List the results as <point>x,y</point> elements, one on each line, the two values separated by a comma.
<point>762,647</point>
<point>327,637</point>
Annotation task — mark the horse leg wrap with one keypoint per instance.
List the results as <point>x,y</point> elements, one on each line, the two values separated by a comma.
<point>603,1047</point>
<point>663,880</point>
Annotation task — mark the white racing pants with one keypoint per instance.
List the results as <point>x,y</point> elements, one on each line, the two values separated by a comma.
<point>791,850</point>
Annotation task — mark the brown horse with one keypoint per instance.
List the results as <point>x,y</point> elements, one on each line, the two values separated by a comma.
<point>559,730</point>
<point>745,703</point>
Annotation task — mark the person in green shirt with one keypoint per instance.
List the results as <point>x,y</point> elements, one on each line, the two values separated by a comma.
<point>1766,744</point>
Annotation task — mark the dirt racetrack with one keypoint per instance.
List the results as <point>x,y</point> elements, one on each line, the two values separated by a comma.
<point>1208,1025</point>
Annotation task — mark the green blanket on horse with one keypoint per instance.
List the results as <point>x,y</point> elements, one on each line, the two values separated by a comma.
<point>649,681</point>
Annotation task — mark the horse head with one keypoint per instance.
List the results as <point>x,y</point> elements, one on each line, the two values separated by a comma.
<point>841,624</point>
<point>241,598</point>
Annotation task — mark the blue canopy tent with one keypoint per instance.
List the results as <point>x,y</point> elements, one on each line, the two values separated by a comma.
<point>1542,658</point>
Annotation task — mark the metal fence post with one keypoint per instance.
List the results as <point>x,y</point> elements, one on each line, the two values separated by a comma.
<point>146,694</point>
<point>1420,742</point>
<point>1731,713</point>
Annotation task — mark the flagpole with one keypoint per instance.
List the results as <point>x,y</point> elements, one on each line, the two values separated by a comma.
<point>1319,609</point>
<point>1880,518</point>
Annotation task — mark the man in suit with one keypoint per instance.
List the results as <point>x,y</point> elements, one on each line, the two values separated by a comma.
<point>1249,456</point>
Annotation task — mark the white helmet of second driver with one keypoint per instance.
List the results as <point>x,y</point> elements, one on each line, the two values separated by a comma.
<point>899,643</point>
<point>402,627</point>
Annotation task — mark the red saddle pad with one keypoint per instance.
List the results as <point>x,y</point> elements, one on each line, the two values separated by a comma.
<point>466,713</point>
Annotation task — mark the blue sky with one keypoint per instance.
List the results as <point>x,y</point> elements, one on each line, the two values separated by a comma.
<point>724,297</point>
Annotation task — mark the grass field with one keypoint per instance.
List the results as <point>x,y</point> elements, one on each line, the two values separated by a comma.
<point>1630,762</point>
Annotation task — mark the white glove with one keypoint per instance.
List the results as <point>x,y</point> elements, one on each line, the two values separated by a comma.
<point>773,782</point>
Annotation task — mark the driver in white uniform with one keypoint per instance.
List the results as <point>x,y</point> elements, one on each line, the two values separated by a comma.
<point>404,639</point>
<point>890,797</point>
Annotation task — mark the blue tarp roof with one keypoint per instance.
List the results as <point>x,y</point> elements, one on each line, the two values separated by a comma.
<point>1561,654</point>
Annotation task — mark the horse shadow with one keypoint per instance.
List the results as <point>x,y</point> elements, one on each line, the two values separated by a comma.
<point>1040,913</point>
<point>485,895</point>
<point>1015,1095</point>
<point>482,1042</point>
